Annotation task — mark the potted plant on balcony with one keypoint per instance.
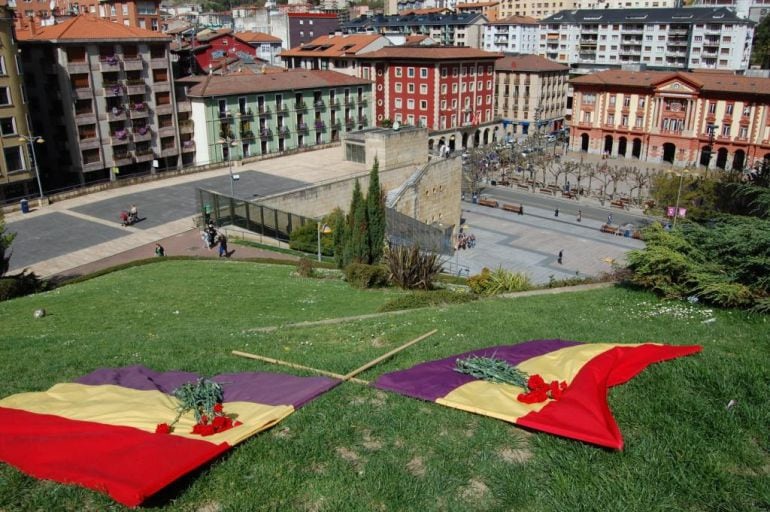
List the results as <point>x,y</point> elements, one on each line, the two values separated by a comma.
<point>116,89</point>
<point>302,127</point>
<point>320,126</point>
<point>143,130</point>
<point>264,132</point>
<point>116,110</point>
<point>139,106</point>
<point>112,60</point>
<point>188,143</point>
<point>120,134</point>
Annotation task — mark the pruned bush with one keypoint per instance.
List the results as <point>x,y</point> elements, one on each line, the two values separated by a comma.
<point>498,281</point>
<point>362,275</point>
<point>410,268</point>
<point>20,285</point>
<point>305,239</point>
<point>305,267</point>
<point>422,299</point>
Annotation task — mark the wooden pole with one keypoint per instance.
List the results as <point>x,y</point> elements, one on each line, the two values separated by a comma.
<point>374,362</point>
<point>297,366</point>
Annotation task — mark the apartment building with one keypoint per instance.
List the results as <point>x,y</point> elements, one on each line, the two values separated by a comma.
<point>461,29</point>
<point>133,13</point>
<point>103,91</point>
<point>449,90</point>
<point>515,34</point>
<point>714,120</point>
<point>754,10</point>
<point>17,166</point>
<point>336,52</point>
<point>530,94</point>
<point>267,47</point>
<point>670,39</point>
<point>243,114</point>
<point>626,4</point>
<point>534,9</point>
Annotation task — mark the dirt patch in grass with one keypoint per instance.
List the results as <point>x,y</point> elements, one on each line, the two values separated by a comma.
<point>515,455</point>
<point>416,466</point>
<point>371,443</point>
<point>378,342</point>
<point>211,506</point>
<point>283,433</point>
<point>352,457</point>
<point>474,491</point>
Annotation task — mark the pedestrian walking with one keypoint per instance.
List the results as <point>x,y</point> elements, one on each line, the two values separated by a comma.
<point>559,259</point>
<point>159,250</point>
<point>222,246</point>
<point>580,216</point>
<point>609,219</point>
<point>556,212</point>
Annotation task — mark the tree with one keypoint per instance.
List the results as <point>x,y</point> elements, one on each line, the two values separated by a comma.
<point>375,214</point>
<point>5,243</point>
<point>339,236</point>
<point>347,245</point>
<point>760,50</point>
<point>359,233</point>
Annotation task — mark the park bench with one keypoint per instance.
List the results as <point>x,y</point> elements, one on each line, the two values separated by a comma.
<point>606,228</point>
<point>504,183</point>
<point>525,187</point>
<point>569,195</point>
<point>618,203</point>
<point>546,191</point>
<point>515,208</point>
<point>488,202</point>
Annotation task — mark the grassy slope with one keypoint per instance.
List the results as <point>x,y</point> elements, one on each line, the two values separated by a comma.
<point>357,448</point>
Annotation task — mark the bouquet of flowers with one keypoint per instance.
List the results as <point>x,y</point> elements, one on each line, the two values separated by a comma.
<point>204,399</point>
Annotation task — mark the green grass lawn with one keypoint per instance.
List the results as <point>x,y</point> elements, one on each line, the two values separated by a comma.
<point>359,449</point>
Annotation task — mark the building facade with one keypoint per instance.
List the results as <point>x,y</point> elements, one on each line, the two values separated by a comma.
<point>104,92</point>
<point>530,94</point>
<point>306,26</point>
<point>626,4</point>
<point>17,166</point>
<point>243,114</point>
<point>515,34</point>
<point>713,120</point>
<point>449,90</point>
<point>534,9</point>
<point>670,39</point>
<point>133,13</point>
<point>335,52</point>
<point>267,47</point>
<point>215,49</point>
<point>462,29</point>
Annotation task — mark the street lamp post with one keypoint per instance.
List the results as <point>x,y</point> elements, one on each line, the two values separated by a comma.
<point>231,143</point>
<point>321,228</point>
<point>32,140</point>
<point>679,194</point>
<point>712,128</point>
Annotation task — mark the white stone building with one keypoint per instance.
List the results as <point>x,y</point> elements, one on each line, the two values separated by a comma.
<point>515,34</point>
<point>666,39</point>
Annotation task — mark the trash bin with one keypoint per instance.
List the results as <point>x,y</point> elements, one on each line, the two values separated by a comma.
<point>627,234</point>
<point>493,183</point>
<point>24,206</point>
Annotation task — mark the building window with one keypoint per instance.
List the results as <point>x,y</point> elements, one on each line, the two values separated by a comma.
<point>712,107</point>
<point>398,87</point>
<point>586,117</point>
<point>729,109</point>
<point>743,132</point>
<point>641,102</point>
<point>443,104</point>
<point>397,71</point>
<point>443,88</point>
<point>725,130</point>
<point>5,98</point>
<point>626,101</point>
<point>423,105</point>
<point>2,65</point>
<point>423,88</point>
<point>611,119</point>
<point>613,99</point>
<point>589,99</point>
<point>410,72</point>
<point>444,72</point>
<point>639,121</point>
<point>410,104</point>
<point>7,126</point>
<point>397,103</point>
<point>410,88</point>
<point>423,72</point>
<point>746,110</point>
<point>13,160</point>
<point>423,121</point>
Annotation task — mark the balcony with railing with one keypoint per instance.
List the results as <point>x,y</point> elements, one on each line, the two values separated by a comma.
<point>302,128</point>
<point>186,126</point>
<point>138,110</point>
<point>283,131</point>
<point>334,103</point>
<point>75,67</point>
<point>247,135</point>
<point>135,86</point>
<point>144,153</point>
<point>319,104</point>
<point>85,117</point>
<point>164,108</point>
<point>350,123</point>
<point>263,110</point>
<point>112,89</point>
<point>282,108</point>
<point>133,62</point>
<point>109,63</point>
<point>188,146</point>
<point>168,149</point>
<point>320,126</point>
<point>265,134</point>
<point>184,106</point>
<point>119,136</point>
<point>141,133</point>
<point>300,106</point>
<point>121,156</point>
<point>88,139</point>
<point>349,101</point>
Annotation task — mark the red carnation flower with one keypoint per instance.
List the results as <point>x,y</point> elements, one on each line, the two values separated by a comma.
<point>218,408</point>
<point>162,428</point>
<point>535,382</point>
<point>204,419</point>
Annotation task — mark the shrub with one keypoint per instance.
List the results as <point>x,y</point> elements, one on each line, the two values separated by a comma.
<point>423,299</point>
<point>499,281</point>
<point>411,268</point>
<point>362,275</point>
<point>305,239</point>
<point>20,285</point>
<point>305,267</point>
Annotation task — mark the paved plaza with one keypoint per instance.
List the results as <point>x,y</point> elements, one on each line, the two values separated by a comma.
<point>85,232</point>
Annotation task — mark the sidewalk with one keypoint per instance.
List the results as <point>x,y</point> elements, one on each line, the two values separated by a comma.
<point>188,243</point>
